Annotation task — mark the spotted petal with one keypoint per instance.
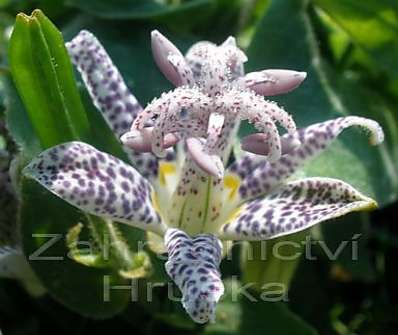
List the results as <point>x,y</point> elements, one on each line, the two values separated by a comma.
<point>97,183</point>
<point>109,93</point>
<point>314,139</point>
<point>294,207</point>
<point>194,266</point>
<point>104,82</point>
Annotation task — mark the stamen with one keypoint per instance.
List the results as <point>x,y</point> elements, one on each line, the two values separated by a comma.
<point>211,164</point>
<point>258,144</point>
<point>141,140</point>
<point>274,82</point>
<point>170,60</point>
<point>171,104</point>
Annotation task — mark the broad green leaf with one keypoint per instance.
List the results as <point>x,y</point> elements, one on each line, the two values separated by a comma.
<point>79,287</point>
<point>137,9</point>
<point>294,46</point>
<point>4,3</point>
<point>17,119</point>
<point>372,25</point>
<point>237,313</point>
<point>43,75</point>
<point>53,114</point>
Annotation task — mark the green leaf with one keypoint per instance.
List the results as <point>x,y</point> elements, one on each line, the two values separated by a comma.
<point>53,114</point>
<point>43,75</point>
<point>17,119</point>
<point>372,25</point>
<point>79,287</point>
<point>350,158</point>
<point>137,9</point>
<point>237,314</point>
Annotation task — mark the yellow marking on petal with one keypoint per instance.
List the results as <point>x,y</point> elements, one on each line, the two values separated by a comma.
<point>366,204</point>
<point>232,182</point>
<point>370,206</point>
<point>234,214</point>
<point>166,168</point>
<point>155,202</point>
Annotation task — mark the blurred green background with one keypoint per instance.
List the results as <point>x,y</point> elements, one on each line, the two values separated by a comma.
<point>349,49</point>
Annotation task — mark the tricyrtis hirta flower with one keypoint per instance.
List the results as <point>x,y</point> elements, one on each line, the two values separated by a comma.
<point>186,195</point>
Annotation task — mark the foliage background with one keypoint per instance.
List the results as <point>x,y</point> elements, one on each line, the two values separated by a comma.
<point>349,49</point>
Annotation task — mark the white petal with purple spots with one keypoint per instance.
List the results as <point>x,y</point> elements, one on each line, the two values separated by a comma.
<point>294,207</point>
<point>194,266</point>
<point>97,183</point>
<point>110,93</point>
<point>314,139</point>
<point>103,81</point>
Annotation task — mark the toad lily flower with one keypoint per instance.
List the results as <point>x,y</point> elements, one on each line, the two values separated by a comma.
<point>186,196</point>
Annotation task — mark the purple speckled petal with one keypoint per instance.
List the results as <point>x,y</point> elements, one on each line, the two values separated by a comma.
<point>264,175</point>
<point>104,82</point>
<point>273,81</point>
<point>170,60</point>
<point>193,265</point>
<point>294,207</point>
<point>97,183</point>
<point>109,93</point>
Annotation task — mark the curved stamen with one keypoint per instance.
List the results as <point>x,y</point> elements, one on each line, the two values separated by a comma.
<point>141,140</point>
<point>170,60</point>
<point>249,106</point>
<point>273,81</point>
<point>211,164</point>
<point>172,104</point>
<point>258,144</point>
